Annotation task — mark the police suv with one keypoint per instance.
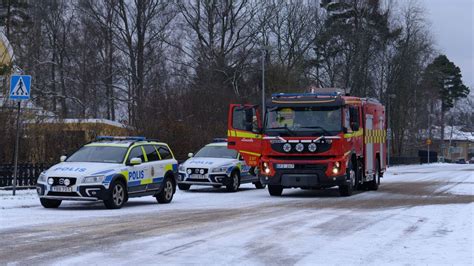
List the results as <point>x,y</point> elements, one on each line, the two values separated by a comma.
<point>111,169</point>
<point>216,165</point>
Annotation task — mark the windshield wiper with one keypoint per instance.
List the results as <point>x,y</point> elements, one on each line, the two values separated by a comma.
<point>287,129</point>
<point>318,127</point>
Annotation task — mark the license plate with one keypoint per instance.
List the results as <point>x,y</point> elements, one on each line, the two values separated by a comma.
<point>61,189</point>
<point>195,176</point>
<point>285,166</point>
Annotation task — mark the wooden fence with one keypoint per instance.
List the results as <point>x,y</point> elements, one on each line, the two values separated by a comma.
<point>27,174</point>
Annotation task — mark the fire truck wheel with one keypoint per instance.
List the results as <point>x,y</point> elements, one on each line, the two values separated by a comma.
<point>184,186</point>
<point>275,190</point>
<point>259,185</point>
<point>235,182</point>
<point>374,184</point>
<point>346,189</point>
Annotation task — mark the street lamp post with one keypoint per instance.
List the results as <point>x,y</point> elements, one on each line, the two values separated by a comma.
<point>389,133</point>
<point>263,84</point>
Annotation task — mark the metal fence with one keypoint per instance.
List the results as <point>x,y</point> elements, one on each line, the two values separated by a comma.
<point>399,160</point>
<point>27,174</point>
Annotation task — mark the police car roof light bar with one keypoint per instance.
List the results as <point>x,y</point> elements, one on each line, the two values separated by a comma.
<point>120,138</point>
<point>219,140</point>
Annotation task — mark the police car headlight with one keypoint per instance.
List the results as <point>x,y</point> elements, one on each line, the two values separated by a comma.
<point>219,169</point>
<point>181,168</point>
<point>93,179</point>
<point>42,178</point>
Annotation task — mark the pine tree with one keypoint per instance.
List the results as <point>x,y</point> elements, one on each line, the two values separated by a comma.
<point>445,77</point>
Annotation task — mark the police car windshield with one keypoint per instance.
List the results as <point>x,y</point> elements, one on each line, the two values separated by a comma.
<point>99,154</point>
<point>216,152</point>
<point>323,120</point>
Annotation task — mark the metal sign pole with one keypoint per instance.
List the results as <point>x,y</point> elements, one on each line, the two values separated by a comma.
<point>17,141</point>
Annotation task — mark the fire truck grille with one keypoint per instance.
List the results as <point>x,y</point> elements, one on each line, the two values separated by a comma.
<point>320,147</point>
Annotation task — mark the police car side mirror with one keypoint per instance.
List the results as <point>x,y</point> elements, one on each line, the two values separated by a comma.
<point>190,155</point>
<point>63,158</point>
<point>135,161</point>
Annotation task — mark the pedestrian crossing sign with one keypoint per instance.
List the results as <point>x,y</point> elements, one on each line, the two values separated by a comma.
<point>20,87</point>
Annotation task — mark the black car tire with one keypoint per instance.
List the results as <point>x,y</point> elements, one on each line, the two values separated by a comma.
<point>234,184</point>
<point>117,195</point>
<point>259,185</point>
<point>50,203</point>
<point>275,190</point>
<point>167,192</point>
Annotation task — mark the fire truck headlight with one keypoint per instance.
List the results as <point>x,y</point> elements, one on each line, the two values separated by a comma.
<point>266,168</point>
<point>336,168</point>
<point>299,147</point>
<point>312,147</point>
<point>287,147</point>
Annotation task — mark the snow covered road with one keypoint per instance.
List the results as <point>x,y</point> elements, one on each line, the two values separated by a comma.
<point>420,215</point>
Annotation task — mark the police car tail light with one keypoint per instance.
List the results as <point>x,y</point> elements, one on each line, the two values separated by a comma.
<point>93,179</point>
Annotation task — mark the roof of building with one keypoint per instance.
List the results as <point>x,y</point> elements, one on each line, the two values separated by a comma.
<point>455,133</point>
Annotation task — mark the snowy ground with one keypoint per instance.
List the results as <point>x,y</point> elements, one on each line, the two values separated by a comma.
<point>420,215</point>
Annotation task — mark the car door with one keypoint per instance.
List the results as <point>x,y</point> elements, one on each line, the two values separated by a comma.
<point>167,162</point>
<point>244,132</point>
<point>154,165</point>
<point>137,173</point>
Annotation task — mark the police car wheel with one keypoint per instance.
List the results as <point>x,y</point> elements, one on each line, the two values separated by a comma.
<point>166,194</point>
<point>117,196</point>
<point>259,185</point>
<point>50,203</point>
<point>234,184</point>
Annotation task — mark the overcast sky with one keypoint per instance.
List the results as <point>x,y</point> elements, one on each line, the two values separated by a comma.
<point>452,27</point>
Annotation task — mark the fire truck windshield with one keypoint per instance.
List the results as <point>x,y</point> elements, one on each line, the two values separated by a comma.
<point>303,120</point>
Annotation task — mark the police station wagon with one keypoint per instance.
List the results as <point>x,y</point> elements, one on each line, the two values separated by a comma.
<point>215,165</point>
<point>111,169</point>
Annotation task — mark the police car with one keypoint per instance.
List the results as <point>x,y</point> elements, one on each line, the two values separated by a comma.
<point>215,165</point>
<point>111,169</point>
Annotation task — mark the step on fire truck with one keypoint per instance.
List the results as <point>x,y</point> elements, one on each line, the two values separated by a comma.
<point>312,141</point>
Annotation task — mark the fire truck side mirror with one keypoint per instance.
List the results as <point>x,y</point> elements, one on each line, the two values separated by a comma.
<point>354,126</point>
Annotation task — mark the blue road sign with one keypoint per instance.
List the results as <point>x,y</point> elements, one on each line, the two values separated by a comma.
<point>20,86</point>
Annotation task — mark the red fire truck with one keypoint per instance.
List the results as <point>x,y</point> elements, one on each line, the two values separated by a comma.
<point>312,141</point>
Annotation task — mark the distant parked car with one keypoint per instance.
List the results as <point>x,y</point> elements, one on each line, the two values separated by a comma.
<point>472,160</point>
<point>461,161</point>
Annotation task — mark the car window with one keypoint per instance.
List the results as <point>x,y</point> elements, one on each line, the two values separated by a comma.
<point>164,152</point>
<point>151,153</point>
<point>99,154</point>
<point>136,152</point>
